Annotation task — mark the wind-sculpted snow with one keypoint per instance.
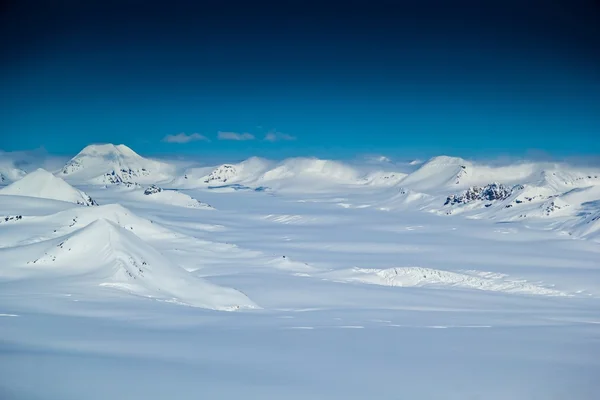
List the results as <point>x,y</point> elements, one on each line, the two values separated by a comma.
<point>174,198</point>
<point>43,184</point>
<point>428,277</point>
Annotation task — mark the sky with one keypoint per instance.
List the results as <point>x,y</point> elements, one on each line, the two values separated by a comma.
<point>296,78</point>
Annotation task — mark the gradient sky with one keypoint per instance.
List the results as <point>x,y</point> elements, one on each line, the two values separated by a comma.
<point>466,78</point>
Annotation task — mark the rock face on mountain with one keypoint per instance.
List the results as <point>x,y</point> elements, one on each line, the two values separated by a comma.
<point>152,189</point>
<point>43,184</point>
<point>491,192</point>
<point>109,165</point>
<point>221,174</point>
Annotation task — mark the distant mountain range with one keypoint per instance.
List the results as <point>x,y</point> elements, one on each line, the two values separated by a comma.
<point>567,197</point>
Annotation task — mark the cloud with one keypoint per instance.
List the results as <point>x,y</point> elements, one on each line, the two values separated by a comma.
<point>183,138</point>
<point>278,136</point>
<point>235,136</point>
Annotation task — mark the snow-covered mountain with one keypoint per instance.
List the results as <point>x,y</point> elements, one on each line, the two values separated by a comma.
<point>109,246</point>
<point>114,164</point>
<point>300,173</point>
<point>125,262</point>
<point>562,195</point>
<point>43,184</point>
<point>247,171</point>
<point>444,185</point>
<point>9,172</point>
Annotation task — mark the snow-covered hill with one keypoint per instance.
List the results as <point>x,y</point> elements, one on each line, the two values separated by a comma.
<point>43,184</point>
<point>158,195</point>
<point>114,164</point>
<point>123,261</point>
<point>292,174</point>
<point>246,171</point>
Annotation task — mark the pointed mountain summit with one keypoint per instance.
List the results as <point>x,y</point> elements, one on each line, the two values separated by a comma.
<point>42,184</point>
<point>115,164</point>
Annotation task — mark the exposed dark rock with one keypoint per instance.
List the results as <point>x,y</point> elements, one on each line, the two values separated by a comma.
<point>152,189</point>
<point>221,174</point>
<point>89,202</point>
<point>9,218</point>
<point>491,192</point>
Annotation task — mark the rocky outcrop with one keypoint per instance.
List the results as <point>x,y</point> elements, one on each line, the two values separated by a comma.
<point>491,192</point>
<point>152,189</point>
<point>221,174</point>
<point>87,202</point>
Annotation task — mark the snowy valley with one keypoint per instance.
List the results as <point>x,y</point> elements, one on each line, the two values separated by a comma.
<point>298,278</point>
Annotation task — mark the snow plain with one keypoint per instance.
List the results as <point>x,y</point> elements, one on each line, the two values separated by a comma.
<point>308,289</point>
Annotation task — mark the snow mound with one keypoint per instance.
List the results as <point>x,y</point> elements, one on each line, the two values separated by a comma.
<point>383,178</point>
<point>123,261</point>
<point>247,171</point>
<point>287,264</point>
<point>438,173</point>
<point>72,219</point>
<point>312,168</point>
<point>404,198</point>
<point>588,227</point>
<point>171,197</point>
<point>423,277</point>
<point>42,184</point>
<point>110,164</point>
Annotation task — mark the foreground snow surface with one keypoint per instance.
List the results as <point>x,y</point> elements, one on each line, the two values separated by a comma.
<point>347,303</point>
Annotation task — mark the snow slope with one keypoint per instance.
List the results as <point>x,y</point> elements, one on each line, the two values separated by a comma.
<point>95,300</point>
<point>419,277</point>
<point>246,171</point>
<point>298,174</point>
<point>114,164</point>
<point>43,184</point>
<point>123,261</point>
<point>158,195</point>
<point>359,284</point>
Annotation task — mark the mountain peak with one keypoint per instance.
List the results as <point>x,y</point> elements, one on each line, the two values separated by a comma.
<point>446,160</point>
<point>42,184</point>
<point>107,149</point>
<point>114,164</point>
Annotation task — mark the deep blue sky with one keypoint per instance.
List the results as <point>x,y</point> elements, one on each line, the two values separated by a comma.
<point>466,78</point>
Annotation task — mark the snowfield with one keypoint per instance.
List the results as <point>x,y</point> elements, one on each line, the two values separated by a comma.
<point>304,278</point>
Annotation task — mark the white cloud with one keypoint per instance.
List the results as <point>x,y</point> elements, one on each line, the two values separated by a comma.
<point>183,138</point>
<point>235,136</point>
<point>278,136</point>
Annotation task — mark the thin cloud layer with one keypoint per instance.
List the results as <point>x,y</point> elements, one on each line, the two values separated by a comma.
<point>235,136</point>
<point>183,138</point>
<point>278,136</point>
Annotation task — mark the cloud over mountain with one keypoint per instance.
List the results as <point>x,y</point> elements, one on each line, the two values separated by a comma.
<point>278,136</point>
<point>235,136</point>
<point>184,138</point>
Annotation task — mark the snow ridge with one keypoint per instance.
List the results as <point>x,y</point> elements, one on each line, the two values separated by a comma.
<point>43,184</point>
